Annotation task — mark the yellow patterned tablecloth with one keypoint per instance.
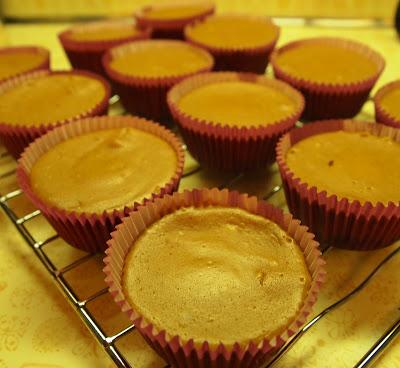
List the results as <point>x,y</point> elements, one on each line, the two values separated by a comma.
<point>39,329</point>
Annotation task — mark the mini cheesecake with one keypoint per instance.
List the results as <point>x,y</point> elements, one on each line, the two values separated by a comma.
<point>352,165</point>
<point>335,75</point>
<point>238,104</point>
<point>229,273</point>
<point>213,278</point>
<point>142,72</point>
<point>50,98</point>
<point>15,61</point>
<point>169,20</point>
<point>387,104</point>
<point>237,42</point>
<point>159,59</point>
<point>87,175</point>
<point>326,63</point>
<point>85,44</point>
<point>232,121</point>
<point>341,179</point>
<point>104,170</point>
<point>34,103</point>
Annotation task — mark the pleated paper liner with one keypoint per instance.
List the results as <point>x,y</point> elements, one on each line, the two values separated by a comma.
<point>171,28</point>
<point>331,101</point>
<point>88,55</point>
<point>338,222</point>
<point>174,349</point>
<point>381,114</point>
<point>43,65</point>
<point>239,58</point>
<point>16,137</point>
<point>229,148</point>
<point>90,231</point>
<point>146,96</point>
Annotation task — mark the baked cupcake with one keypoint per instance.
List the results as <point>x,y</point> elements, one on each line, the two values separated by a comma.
<point>387,104</point>
<point>341,179</point>
<point>34,103</point>
<point>214,278</point>
<point>142,72</point>
<point>85,176</point>
<point>240,43</point>
<point>169,20</point>
<point>232,121</point>
<point>334,75</point>
<point>18,60</point>
<point>85,44</point>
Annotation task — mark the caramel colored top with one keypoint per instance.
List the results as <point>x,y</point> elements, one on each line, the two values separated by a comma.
<point>237,103</point>
<point>49,99</point>
<point>152,59</point>
<point>233,31</point>
<point>14,63</point>
<point>390,102</point>
<point>103,170</point>
<point>216,274</point>
<point>326,63</point>
<point>358,166</point>
<point>105,31</point>
<point>177,11</point>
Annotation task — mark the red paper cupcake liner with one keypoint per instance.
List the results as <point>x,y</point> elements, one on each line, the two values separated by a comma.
<point>143,96</point>
<point>44,65</point>
<point>16,137</point>
<point>381,115</point>
<point>174,349</point>
<point>342,223</point>
<point>239,59</point>
<point>229,148</point>
<point>169,28</point>
<point>90,231</point>
<point>331,101</point>
<point>88,55</point>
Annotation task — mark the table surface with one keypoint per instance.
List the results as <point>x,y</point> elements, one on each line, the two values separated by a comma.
<point>38,328</point>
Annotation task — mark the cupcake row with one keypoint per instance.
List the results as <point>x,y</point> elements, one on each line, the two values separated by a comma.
<point>229,121</point>
<point>186,267</point>
<point>171,248</point>
<point>205,275</point>
<point>142,72</point>
<point>243,44</point>
<point>237,42</point>
<point>86,175</point>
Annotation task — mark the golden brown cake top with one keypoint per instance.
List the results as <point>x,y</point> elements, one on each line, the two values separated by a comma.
<point>233,31</point>
<point>103,31</point>
<point>216,274</point>
<point>50,98</point>
<point>16,62</point>
<point>390,102</point>
<point>354,165</point>
<point>177,10</point>
<point>103,170</point>
<point>326,63</point>
<point>237,103</point>
<point>153,59</point>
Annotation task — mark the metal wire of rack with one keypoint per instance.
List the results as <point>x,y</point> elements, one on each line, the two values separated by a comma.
<point>108,342</point>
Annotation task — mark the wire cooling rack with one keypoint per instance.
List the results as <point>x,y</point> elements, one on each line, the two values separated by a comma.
<point>109,341</point>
